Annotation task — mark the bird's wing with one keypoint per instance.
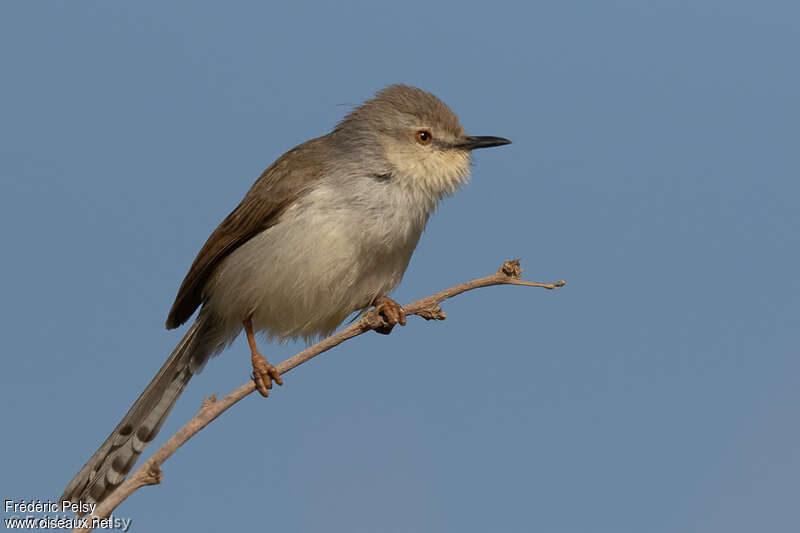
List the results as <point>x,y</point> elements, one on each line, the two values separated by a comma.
<point>289,178</point>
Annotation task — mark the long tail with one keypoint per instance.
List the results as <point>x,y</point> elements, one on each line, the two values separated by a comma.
<point>109,465</point>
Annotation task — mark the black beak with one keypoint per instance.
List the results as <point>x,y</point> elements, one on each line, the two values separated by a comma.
<point>471,143</point>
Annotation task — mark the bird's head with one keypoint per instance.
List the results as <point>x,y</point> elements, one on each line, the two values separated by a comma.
<point>416,136</point>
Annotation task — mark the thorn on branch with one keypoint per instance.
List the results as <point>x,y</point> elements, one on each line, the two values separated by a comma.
<point>432,312</point>
<point>511,269</point>
<point>153,475</point>
<point>208,401</point>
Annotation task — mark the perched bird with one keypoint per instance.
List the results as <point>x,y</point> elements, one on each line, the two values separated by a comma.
<point>328,229</point>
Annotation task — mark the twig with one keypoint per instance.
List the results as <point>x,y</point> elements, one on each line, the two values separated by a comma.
<point>149,472</point>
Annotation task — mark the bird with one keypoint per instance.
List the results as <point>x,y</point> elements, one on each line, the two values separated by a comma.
<point>326,231</point>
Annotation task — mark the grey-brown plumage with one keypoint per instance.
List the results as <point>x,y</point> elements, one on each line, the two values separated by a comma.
<point>279,186</point>
<point>109,465</point>
<point>328,229</point>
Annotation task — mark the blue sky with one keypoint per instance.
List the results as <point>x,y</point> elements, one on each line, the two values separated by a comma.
<point>655,167</point>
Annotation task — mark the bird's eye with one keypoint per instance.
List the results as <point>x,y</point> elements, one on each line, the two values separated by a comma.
<point>424,137</point>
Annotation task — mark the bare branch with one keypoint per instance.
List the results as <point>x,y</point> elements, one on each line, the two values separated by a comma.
<point>149,472</point>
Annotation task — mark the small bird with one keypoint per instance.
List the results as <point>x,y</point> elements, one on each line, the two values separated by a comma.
<point>327,230</point>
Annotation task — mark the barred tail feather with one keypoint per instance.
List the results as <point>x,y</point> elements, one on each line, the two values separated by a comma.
<point>115,458</point>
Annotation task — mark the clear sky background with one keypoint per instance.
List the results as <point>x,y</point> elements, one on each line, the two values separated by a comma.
<point>655,167</point>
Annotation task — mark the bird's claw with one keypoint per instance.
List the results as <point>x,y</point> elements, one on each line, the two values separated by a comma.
<point>263,374</point>
<point>391,313</point>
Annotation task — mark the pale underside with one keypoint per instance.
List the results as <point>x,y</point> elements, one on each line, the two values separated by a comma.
<point>325,259</point>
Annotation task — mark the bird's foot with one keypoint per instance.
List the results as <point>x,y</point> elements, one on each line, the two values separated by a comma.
<point>263,374</point>
<point>391,313</point>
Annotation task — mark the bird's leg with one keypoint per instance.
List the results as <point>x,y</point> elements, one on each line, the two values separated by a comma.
<point>391,312</point>
<point>263,372</point>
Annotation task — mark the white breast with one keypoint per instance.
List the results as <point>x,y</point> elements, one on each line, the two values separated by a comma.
<point>334,252</point>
